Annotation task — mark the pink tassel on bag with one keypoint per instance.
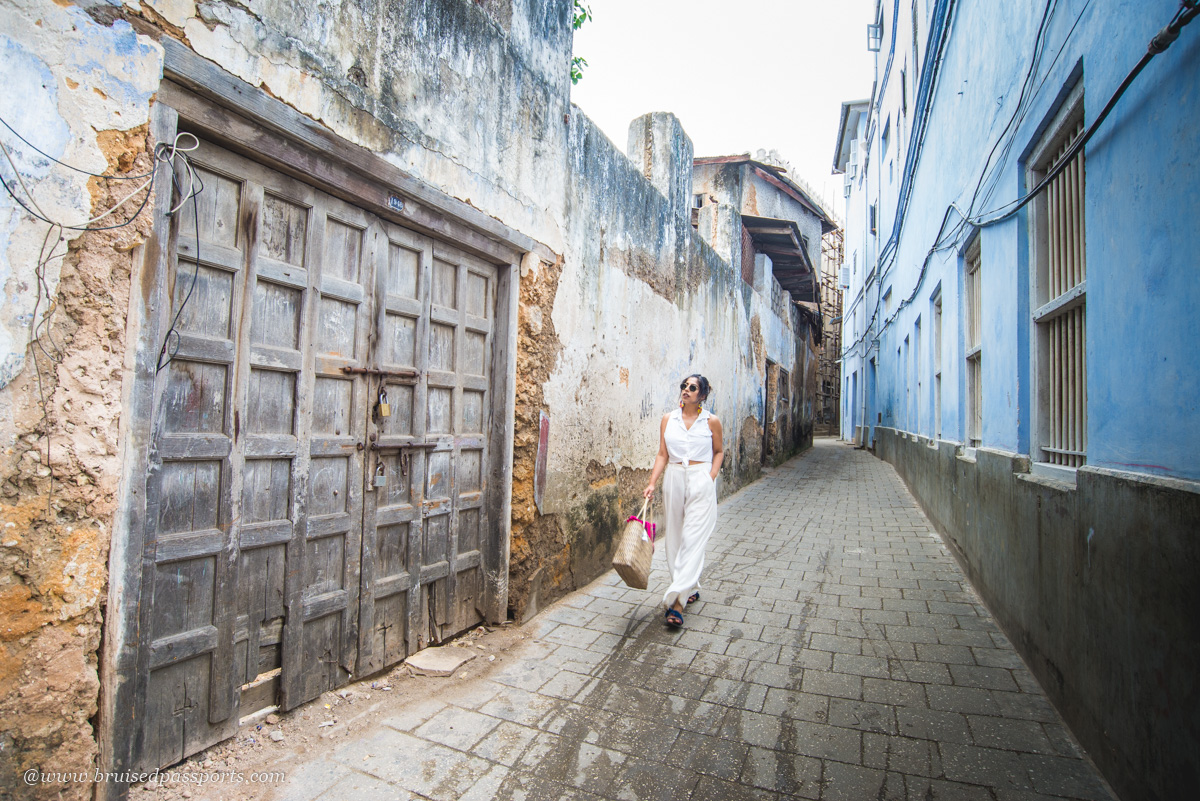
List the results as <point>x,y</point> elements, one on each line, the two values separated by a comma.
<point>651,528</point>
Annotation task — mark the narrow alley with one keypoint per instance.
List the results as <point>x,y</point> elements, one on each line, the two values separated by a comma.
<point>837,652</point>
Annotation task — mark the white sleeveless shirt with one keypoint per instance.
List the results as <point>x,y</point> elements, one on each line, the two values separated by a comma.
<point>688,444</point>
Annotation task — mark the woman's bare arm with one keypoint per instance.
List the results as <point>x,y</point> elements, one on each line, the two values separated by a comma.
<point>714,425</point>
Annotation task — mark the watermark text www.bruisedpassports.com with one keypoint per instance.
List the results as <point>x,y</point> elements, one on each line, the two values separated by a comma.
<point>199,778</point>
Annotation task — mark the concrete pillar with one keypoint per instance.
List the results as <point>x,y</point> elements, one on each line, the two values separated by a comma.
<point>662,152</point>
<point>763,274</point>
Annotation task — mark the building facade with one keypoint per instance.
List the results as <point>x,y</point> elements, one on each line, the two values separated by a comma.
<point>1019,337</point>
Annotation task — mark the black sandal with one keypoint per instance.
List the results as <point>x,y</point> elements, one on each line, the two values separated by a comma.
<point>695,596</point>
<point>674,619</point>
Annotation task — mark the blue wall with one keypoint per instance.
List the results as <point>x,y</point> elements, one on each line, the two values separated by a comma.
<point>1142,207</point>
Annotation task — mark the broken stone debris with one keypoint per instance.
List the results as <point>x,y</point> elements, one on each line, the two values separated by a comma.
<point>438,661</point>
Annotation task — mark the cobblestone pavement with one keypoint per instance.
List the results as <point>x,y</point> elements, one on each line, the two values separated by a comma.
<point>837,653</point>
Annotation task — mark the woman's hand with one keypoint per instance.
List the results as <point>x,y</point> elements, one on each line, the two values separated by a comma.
<point>648,492</point>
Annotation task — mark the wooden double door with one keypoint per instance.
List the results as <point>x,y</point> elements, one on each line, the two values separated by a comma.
<point>316,494</point>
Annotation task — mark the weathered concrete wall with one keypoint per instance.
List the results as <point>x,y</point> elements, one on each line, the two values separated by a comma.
<point>641,301</point>
<point>84,92</point>
<point>1094,584</point>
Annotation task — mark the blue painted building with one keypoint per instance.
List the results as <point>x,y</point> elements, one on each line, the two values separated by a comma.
<point>1020,328</point>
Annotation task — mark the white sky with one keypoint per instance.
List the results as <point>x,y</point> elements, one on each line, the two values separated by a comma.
<point>739,74</point>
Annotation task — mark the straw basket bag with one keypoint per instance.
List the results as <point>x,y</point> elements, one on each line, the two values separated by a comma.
<point>635,549</point>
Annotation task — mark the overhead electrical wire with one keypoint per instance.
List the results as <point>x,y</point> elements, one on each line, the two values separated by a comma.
<point>175,156</point>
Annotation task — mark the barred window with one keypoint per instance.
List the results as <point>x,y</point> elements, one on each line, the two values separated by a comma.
<point>973,341</point>
<point>1059,292</point>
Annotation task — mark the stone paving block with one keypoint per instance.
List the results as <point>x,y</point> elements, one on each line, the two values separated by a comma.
<point>1026,706</point>
<point>874,666</point>
<point>922,789</point>
<point>835,644</point>
<point>752,649</point>
<point>842,685</point>
<point>740,694</point>
<point>505,743</point>
<point>688,714</point>
<point>413,764</point>
<point>957,654</point>
<point>687,684</point>
<point>753,728</point>
<point>713,789</point>
<point>979,639</point>
<point>712,756</point>
<point>699,641</point>
<point>903,755</point>
<point>827,742</point>
<point>806,658</point>
<point>414,714</point>
<point>797,705</point>
<point>650,781</point>
<point>564,685</point>
<point>582,765</point>
<point>474,695</point>
<point>568,634</point>
<point>795,776</point>
<point>636,737</point>
<point>889,649</point>
<point>312,779</point>
<point>720,666</point>
<point>894,693</point>
<point>366,787</point>
<point>486,788</point>
<point>1072,778</point>
<point>526,675</point>
<point>929,724</point>
<point>920,672</point>
<point>985,677</point>
<point>862,715</point>
<point>841,782</point>
<point>456,728</point>
<point>967,700</point>
<point>1011,735</point>
<point>520,706</point>
<point>987,766</point>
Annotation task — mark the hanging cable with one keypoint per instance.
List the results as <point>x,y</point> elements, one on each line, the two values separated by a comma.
<point>1159,44</point>
<point>41,334</point>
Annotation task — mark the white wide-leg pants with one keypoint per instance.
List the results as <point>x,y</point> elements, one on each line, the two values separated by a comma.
<point>690,505</point>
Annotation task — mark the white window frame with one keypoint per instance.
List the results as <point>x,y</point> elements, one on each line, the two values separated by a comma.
<point>936,314</point>
<point>1058,294</point>
<point>973,341</point>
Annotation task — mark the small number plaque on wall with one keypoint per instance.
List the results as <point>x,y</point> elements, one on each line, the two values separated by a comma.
<point>395,203</point>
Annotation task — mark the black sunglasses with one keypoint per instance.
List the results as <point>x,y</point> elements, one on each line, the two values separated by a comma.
<point>690,387</point>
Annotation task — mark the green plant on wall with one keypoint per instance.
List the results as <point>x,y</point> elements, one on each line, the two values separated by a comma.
<point>582,14</point>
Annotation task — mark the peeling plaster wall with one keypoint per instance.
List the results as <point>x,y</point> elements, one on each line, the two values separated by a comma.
<point>469,101</point>
<point>641,302</point>
<point>82,93</point>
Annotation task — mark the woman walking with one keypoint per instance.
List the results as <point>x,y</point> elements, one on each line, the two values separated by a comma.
<point>690,450</point>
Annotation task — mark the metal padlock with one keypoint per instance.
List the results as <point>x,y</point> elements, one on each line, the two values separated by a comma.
<point>385,408</point>
<point>380,479</point>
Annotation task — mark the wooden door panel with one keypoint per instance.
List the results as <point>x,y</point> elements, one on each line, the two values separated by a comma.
<point>276,568</point>
<point>190,573</point>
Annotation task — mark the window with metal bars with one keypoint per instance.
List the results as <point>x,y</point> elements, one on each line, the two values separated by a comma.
<point>973,340</point>
<point>1059,292</point>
